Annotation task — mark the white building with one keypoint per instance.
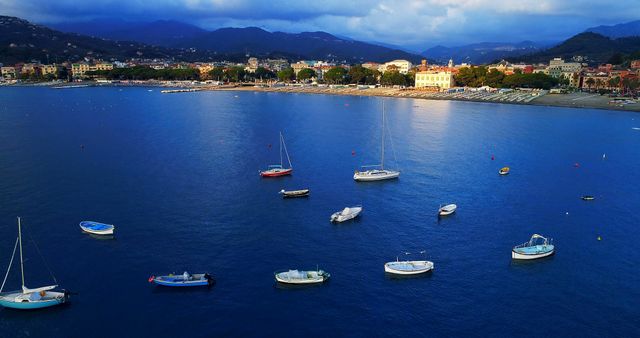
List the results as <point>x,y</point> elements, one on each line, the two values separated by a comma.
<point>402,66</point>
<point>435,79</point>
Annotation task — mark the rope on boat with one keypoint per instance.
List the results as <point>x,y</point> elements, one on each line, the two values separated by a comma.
<point>42,257</point>
<point>10,263</point>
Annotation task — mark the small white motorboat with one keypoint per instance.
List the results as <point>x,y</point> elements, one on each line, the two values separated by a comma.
<point>447,210</point>
<point>408,267</point>
<point>302,277</point>
<point>96,228</point>
<point>295,193</point>
<point>346,214</point>
<point>537,247</point>
<point>504,171</point>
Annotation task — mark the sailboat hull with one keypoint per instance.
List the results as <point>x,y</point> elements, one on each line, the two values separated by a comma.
<point>8,300</point>
<point>375,175</point>
<point>276,172</point>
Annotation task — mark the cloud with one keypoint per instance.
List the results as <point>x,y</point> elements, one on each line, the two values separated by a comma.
<point>413,23</point>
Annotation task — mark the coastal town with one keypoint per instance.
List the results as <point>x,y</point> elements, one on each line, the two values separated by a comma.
<point>498,82</point>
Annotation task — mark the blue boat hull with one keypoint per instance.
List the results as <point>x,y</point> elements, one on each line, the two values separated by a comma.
<point>31,305</point>
<point>180,284</point>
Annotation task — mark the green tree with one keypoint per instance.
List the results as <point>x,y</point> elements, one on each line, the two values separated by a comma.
<point>217,73</point>
<point>358,74</point>
<point>590,82</point>
<point>235,74</point>
<point>286,74</point>
<point>336,75</point>
<point>494,78</point>
<point>263,74</point>
<point>393,78</point>
<point>306,74</point>
<point>614,82</point>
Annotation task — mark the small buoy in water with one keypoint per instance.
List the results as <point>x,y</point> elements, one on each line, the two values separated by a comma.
<point>353,153</point>
<point>346,105</point>
<point>269,145</point>
<point>82,146</point>
<point>577,165</point>
<point>599,238</point>
<point>566,213</point>
<point>493,157</point>
<point>604,156</point>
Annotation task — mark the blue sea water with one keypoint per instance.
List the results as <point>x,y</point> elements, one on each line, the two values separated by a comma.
<point>178,176</point>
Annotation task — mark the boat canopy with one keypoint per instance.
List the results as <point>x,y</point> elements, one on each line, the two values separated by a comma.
<point>26,290</point>
<point>346,211</point>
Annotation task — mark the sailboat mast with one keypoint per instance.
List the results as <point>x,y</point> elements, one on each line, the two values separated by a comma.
<point>383,115</point>
<point>21,260</point>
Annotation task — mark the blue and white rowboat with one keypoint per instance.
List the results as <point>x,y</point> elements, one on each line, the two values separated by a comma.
<point>96,228</point>
<point>533,249</point>
<point>183,280</point>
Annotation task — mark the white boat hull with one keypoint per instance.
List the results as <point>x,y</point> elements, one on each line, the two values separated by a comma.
<point>375,175</point>
<point>419,267</point>
<point>98,232</point>
<point>516,255</point>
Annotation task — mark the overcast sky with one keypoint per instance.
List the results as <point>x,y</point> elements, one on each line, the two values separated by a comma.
<point>415,24</point>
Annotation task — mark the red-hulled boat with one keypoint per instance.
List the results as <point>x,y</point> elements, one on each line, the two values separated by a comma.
<point>276,170</point>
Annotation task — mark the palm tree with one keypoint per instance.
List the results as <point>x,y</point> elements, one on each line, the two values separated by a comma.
<point>599,83</point>
<point>614,82</point>
<point>590,82</point>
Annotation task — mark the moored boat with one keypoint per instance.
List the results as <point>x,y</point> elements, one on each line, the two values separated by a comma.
<point>346,214</point>
<point>276,170</point>
<point>504,171</point>
<point>447,210</point>
<point>537,247</point>
<point>302,276</point>
<point>408,267</point>
<point>379,173</point>
<point>294,193</point>
<point>587,198</point>
<point>97,228</point>
<point>29,299</point>
<point>184,280</point>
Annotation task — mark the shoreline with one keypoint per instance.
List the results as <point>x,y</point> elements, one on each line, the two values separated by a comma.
<point>570,100</point>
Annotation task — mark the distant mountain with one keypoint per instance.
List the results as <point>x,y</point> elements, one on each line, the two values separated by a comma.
<point>252,40</point>
<point>97,27</point>
<point>481,53</point>
<point>595,48</point>
<point>21,40</point>
<point>618,31</point>
<point>306,45</point>
<point>166,33</point>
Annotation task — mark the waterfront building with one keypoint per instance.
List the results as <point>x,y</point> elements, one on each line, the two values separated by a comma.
<point>252,65</point>
<point>78,70</point>
<point>8,72</point>
<point>53,69</point>
<point>439,78</point>
<point>402,66</point>
<point>371,65</point>
<point>300,65</point>
<point>635,64</point>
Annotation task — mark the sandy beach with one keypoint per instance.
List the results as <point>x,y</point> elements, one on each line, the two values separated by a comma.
<point>573,100</point>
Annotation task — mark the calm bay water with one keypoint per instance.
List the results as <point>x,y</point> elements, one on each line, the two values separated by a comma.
<point>178,176</point>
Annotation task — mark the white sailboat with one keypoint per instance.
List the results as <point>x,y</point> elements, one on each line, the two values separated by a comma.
<point>378,173</point>
<point>29,299</point>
